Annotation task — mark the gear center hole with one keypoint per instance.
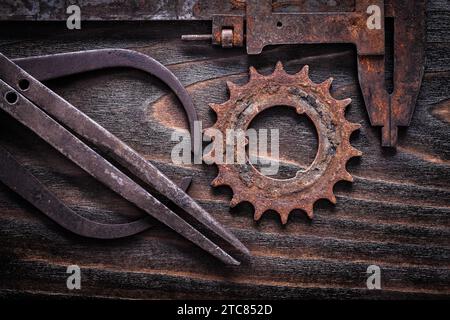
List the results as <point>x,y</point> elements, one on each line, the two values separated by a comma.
<point>298,141</point>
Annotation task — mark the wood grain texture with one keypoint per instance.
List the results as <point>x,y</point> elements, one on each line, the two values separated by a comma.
<point>54,10</point>
<point>395,215</point>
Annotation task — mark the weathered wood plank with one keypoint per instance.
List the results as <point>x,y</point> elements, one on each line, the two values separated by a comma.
<point>144,10</point>
<point>395,214</point>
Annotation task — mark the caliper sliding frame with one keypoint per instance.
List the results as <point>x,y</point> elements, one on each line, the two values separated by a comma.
<point>260,26</point>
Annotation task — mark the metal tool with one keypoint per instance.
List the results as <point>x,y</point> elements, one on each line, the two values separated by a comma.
<point>333,130</point>
<point>258,23</point>
<point>56,121</point>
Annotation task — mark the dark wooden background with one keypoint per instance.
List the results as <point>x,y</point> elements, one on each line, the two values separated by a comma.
<point>395,215</point>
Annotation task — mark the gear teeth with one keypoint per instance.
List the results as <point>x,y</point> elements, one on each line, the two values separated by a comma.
<point>350,128</point>
<point>278,68</point>
<point>332,198</point>
<point>235,201</point>
<point>324,89</point>
<point>216,107</point>
<point>326,85</point>
<point>308,210</point>
<point>354,126</point>
<point>347,176</point>
<point>232,88</point>
<point>254,74</point>
<point>304,73</point>
<point>284,215</point>
<point>259,211</point>
<point>218,181</point>
<point>356,153</point>
<point>344,103</point>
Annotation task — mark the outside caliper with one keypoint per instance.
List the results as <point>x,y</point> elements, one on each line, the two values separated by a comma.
<point>363,24</point>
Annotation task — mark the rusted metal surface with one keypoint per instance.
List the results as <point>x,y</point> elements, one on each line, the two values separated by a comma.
<point>334,149</point>
<point>46,10</point>
<point>24,103</point>
<point>32,190</point>
<point>21,181</point>
<point>233,25</point>
<point>392,110</point>
<point>266,26</point>
<point>270,22</point>
<point>54,66</point>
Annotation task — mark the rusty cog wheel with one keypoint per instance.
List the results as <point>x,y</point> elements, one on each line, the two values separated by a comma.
<point>333,131</point>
